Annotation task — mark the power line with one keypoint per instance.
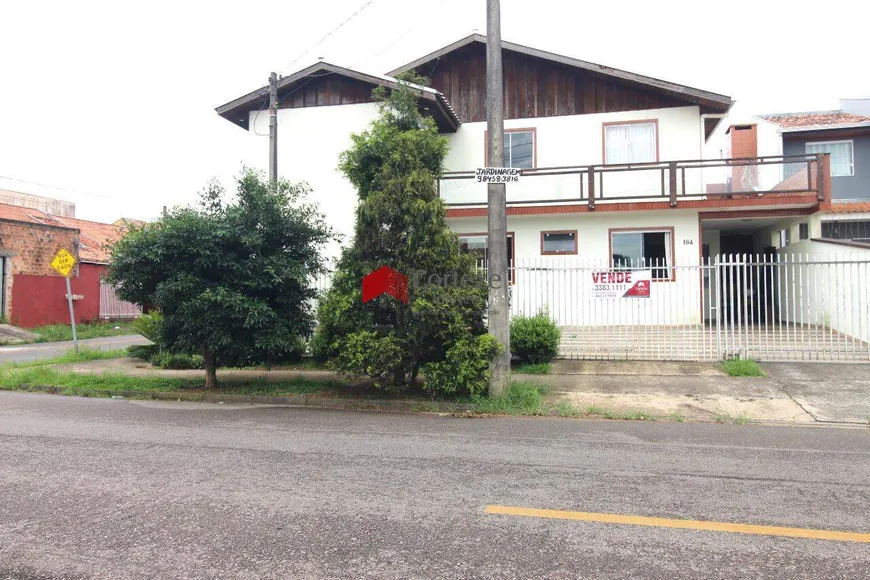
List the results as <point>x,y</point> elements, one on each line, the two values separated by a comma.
<point>420,23</point>
<point>54,187</point>
<point>330,33</point>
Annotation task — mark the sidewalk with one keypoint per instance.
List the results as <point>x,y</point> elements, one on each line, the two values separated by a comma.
<point>797,393</point>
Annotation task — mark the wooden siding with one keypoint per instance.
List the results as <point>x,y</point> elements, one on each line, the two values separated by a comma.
<point>534,87</point>
<point>330,89</point>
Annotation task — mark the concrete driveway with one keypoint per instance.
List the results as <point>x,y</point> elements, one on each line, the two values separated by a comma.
<point>830,392</point>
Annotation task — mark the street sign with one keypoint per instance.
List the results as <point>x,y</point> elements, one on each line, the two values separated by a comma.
<point>497,175</point>
<point>63,262</point>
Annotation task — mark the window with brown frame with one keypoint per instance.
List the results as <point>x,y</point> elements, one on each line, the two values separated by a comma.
<point>635,249</point>
<point>558,242</point>
<point>631,142</point>
<point>479,244</point>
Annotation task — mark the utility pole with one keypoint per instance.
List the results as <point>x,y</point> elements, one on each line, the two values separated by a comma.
<point>498,316</point>
<point>273,130</point>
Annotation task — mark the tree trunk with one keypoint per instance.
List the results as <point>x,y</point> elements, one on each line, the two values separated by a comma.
<point>210,370</point>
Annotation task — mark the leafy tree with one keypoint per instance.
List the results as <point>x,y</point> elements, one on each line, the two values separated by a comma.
<point>232,280</point>
<point>400,223</point>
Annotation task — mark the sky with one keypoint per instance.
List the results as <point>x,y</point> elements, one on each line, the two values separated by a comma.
<point>111,104</point>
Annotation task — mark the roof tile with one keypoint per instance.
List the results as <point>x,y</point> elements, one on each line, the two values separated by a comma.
<point>822,118</point>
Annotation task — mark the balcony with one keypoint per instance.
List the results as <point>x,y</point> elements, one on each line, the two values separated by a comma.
<point>780,180</point>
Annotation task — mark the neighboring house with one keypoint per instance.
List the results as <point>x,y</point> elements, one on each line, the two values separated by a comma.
<point>33,294</point>
<point>613,171</point>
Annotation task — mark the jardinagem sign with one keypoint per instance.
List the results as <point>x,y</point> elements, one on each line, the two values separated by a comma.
<point>621,283</point>
<point>497,175</point>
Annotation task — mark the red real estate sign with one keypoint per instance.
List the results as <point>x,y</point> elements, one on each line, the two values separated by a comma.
<point>622,284</point>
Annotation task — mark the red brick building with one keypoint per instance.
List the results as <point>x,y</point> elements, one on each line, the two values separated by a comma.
<point>33,294</point>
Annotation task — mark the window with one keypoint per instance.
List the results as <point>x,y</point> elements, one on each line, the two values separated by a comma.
<point>478,244</point>
<point>804,231</point>
<point>842,164</point>
<point>858,230</point>
<point>784,238</point>
<point>560,242</point>
<point>643,249</point>
<point>519,149</point>
<point>630,143</point>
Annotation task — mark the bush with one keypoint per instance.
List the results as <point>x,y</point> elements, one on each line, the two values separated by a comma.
<point>534,339</point>
<point>465,368</point>
<point>176,361</point>
<point>150,326</point>
<point>366,353</point>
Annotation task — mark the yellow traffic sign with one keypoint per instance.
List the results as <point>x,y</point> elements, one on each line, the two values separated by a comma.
<point>63,262</point>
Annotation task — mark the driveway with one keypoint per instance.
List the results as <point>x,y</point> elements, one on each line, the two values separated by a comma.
<point>830,392</point>
<point>101,488</point>
<point>46,350</point>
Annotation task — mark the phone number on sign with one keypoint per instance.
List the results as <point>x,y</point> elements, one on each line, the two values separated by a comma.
<point>498,178</point>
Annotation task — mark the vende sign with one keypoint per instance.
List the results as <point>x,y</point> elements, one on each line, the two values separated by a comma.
<point>621,284</point>
<point>497,175</point>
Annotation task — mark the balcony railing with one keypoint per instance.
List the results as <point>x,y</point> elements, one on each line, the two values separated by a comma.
<point>669,181</point>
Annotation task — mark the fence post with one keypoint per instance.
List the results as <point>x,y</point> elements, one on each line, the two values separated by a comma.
<point>672,175</point>
<point>591,177</point>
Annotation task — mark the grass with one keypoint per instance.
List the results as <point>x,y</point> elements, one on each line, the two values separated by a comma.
<point>726,418</point>
<point>532,369</point>
<point>739,367</point>
<point>58,332</point>
<point>522,398</point>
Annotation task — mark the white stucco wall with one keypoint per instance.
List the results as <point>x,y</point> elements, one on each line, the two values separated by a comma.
<point>309,143</point>
<point>576,140</point>
<point>561,283</point>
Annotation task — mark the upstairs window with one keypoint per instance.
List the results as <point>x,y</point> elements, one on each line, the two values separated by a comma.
<point>842,161</point>
<point>630,143</point>
<point>519,149</point>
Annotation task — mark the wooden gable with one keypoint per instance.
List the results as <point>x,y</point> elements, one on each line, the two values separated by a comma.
<point>535,87</point>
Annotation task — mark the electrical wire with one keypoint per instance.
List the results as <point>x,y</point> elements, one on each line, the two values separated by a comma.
<point>330,33</point>
<point>54,187</point>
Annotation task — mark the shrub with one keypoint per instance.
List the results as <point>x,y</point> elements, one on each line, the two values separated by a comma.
<point>465,368</point>
<point>176,361</point>
<point>534,339</point>
<point>369,354</point>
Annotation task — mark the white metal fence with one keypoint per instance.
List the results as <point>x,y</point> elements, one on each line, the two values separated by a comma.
<point>792,307</point>
<point>113,308</point>
<point>764,307</point>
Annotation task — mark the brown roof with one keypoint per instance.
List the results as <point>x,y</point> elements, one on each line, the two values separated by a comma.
<point>93,236</point>
<point>822,118</point>
<point>851,207</point>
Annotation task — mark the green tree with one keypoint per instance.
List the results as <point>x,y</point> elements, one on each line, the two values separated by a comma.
<point>231,279</point>
<point>400,223</point>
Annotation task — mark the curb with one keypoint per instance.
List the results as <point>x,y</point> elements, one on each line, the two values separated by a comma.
<point>406,405</point>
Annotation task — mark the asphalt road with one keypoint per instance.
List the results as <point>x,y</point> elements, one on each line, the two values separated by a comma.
<point>45,350</point>
<point>125,489</point>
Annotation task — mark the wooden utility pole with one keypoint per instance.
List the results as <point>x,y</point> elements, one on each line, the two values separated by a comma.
<point>498,315</point>
<point>273,130</point>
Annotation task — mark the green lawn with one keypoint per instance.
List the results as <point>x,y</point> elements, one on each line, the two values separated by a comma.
<point>58,332</point>
<point>738,367</point>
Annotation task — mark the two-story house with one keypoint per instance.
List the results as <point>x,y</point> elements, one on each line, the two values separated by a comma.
<point>613,176</point>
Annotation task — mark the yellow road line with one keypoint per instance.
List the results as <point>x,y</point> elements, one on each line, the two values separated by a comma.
<point>683,524</point>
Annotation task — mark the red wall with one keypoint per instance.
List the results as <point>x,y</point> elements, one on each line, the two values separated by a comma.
<point>39,300</point>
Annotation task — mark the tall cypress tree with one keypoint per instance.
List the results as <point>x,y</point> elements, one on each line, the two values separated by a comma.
<point>400,223</point>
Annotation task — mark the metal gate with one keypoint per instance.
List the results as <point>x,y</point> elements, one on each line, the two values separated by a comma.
<point>776,307</point>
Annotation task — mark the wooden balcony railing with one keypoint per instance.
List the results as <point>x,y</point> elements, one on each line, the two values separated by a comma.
<point>662,181</point>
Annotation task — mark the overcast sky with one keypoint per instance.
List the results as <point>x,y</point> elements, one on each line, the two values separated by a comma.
<point>114,102</point>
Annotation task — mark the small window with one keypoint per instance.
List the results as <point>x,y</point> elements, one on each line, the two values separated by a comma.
<point>479,244</point>
<point>562,242</point>
<point>842,162</point>
<point>636,250</point>
<point>519,149</point>
<point>630,143</point>
<point>784,238</point>
<point>857,230</point>
<point>804,231</point>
